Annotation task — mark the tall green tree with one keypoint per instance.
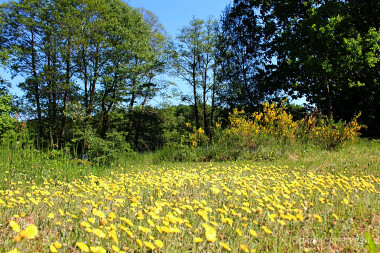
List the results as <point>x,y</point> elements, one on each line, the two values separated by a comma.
<point>24,35</point>
<point>195,64</point>
<point>240,55</point>
<point>324,51</point>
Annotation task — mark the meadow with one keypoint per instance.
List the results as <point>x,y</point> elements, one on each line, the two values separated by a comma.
<point>307,200</point>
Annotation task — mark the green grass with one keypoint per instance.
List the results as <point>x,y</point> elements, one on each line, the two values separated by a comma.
<point>336,195</point>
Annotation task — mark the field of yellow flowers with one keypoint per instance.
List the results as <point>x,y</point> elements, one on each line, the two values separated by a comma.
<point>199,208</point>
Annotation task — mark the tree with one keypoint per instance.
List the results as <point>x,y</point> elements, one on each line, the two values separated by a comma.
<point>325,51</point>
<point>23,32</point>
<point>195,64</point>
<point>240,55</point>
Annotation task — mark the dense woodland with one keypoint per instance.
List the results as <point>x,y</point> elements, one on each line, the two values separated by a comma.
<point>93,67</point>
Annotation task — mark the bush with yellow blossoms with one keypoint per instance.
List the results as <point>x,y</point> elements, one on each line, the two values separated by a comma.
<point>275,122</point>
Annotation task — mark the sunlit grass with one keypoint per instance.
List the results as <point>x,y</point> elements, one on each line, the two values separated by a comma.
<point>203,208</point>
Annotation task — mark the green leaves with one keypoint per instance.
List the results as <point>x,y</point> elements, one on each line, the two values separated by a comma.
<point>371,245</point>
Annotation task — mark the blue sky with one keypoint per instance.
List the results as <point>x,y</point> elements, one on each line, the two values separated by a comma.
<point>173,14</point>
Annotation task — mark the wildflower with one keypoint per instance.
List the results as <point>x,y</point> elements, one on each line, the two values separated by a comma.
<point>198,239</point>
<point>149,245</point>
<point>225,246</point>
<point>266,230</point>
<point>52,248</point>
<point>17,238</point>
<point>210,232</point>
<point>112,234</point>
<point>98,249</point>
<point>139,242</point>
<point>244,248</point>
<point>30,232</point>
<point>99,233</point>
<point>15,250</point>
<point>159,243</point>
<point>144,229</point>
<point>112,216</point>
<point>252,232</point>
<point>317,217</point>
<point>51,215</point>
<point>85,224</point>
<point>57,245</point>
<point>115,248</point>
<point>128,221</point>
<point>83,247</point>
<point>14,225</point>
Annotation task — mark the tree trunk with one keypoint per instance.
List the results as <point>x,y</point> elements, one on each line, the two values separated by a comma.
<point>67,88</point>
<point>213,90</point>
<point>85,75</point>
<point>196,114</point>
<point>329,101</point>
<point>36,87</point>
<point>94,80</point>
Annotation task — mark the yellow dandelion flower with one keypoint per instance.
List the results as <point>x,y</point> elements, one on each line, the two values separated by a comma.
<point>139,242</point>
<point>299,216</point>
<point>112,215</point>
<point>51,215</point>
<point>244,248</point>
<point>57,245</point>
<point>103,222</point>
<point>272,217</point>
<point>210,232</point>
<point>115,248</point>
<point>15,250</point>
<point>83,247</point>
<point>14,225</point>
<point>98,249</point>
<point>225,246</point>
<point>159,243</point>
<point>149,245</point>
<point>52,248</point>
<point>252,232</point>
<point>144,229</point>
<point>345,201</point>
<point>30,232</point>
<point>317,217</point>
<point>238,231</point>
<point>112,234</point>
<point>128,221</point>
<point>266,230</point>
<point>198,239</point>
<point>98,213</point>
<point>85,224</point>
<point>99,233</point>
<point>17,239</point>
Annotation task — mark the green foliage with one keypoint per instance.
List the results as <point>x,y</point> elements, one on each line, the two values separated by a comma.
<point>326,52</point>
<point>7,123</point>
<point>371,246</point>
<point>106,151</point>
<point>247,135</point>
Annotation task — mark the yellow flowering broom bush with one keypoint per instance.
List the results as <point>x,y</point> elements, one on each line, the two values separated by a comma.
<point>275,122</point>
